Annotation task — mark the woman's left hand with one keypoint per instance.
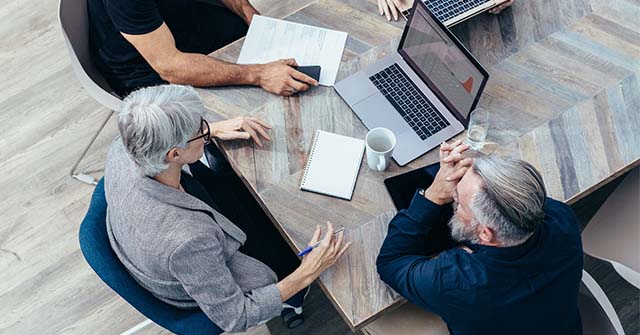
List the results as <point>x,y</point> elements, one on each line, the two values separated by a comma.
<point>241,127</point>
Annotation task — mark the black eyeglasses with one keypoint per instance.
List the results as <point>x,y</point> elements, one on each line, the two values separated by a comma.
<point>204,129</point>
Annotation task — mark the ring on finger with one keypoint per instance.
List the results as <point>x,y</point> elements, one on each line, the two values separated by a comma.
<point>292,90</point>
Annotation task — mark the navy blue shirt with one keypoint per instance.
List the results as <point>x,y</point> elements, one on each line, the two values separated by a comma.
<point>531,288</point>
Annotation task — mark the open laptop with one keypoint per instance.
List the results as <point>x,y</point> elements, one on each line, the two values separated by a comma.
<point>423,93</point>
<point>452,12</point>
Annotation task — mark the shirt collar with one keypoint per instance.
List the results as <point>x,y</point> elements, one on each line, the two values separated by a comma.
<point>513,252</point>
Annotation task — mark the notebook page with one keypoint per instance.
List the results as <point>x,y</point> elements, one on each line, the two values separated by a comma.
<point>333,165</point>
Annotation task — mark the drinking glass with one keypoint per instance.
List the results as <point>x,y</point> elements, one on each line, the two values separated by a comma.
<point>478,127</point>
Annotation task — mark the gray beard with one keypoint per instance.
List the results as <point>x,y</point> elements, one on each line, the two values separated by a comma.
<point>461,232</point>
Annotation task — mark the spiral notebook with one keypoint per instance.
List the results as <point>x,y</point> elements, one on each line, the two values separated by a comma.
<point>333,165</point>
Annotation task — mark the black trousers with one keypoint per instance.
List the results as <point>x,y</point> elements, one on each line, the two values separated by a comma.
<point>264,241</point>
<point>211,28</point>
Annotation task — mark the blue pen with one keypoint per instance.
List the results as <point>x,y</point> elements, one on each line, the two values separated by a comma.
<point>309,248</point>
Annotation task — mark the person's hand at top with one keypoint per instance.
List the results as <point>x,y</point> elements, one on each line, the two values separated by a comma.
<point>392,9</point>
<point>281,78</point>
<point>241,128</point>
<point>453,165</point>
<point>501,7</point>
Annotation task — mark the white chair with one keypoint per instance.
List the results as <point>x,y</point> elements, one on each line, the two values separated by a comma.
<point>613,234</point>
<point>596,311</point>
<point>409,319</point>
<point>74,21</point>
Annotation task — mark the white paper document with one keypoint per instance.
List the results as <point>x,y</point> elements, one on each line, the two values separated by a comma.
<point>271,39</point>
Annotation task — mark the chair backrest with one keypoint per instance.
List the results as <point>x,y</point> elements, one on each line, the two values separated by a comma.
<point>596,311</point>
<point>74,21</point>
<point>613,234</point>
<point>95,246</point>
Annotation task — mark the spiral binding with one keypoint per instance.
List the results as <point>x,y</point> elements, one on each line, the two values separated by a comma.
<point>313,149</point>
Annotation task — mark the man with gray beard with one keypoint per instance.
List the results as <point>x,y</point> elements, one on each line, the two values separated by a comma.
<point>517,261</point>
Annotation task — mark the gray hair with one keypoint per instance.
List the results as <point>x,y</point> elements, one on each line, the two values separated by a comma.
<point>155,119</point>
<point>511,200</point>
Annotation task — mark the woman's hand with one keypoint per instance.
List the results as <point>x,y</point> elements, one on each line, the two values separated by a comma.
<point>452,167</point>
<point>392,8</point>
<point>326,253</point>
<point>241,127</point>
<point>315,262</point>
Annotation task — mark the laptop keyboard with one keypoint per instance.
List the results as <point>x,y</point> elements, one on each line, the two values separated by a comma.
<point>447,9</point>
<point>412,104</point>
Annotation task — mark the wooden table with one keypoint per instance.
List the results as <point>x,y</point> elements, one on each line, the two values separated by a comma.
<point>564,93</point>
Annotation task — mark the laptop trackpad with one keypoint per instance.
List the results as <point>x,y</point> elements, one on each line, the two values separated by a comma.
<point>377,111</point>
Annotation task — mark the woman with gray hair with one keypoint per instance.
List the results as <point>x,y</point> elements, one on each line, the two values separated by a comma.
<point>166,229</point>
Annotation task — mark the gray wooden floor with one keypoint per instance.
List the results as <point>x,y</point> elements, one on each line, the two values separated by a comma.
<point>45,120</point>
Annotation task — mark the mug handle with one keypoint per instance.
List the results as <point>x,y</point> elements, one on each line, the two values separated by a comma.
<point>381,162</point>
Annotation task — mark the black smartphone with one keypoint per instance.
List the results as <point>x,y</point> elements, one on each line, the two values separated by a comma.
<point>312,71</point>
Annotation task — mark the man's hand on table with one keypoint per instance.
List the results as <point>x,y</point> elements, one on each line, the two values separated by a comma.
<point>452,167</point>
<point>241,128</point>
<point>281,77</point>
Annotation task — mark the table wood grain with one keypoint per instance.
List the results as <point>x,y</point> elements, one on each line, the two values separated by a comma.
<point>564,92</point>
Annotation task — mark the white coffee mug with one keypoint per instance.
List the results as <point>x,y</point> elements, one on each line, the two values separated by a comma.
<point>380,144</point>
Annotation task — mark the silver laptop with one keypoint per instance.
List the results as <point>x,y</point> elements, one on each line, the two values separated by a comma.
<point>424,92</point>
<point>451,12</point>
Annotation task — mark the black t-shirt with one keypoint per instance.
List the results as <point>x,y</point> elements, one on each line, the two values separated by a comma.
<point>122,65</point>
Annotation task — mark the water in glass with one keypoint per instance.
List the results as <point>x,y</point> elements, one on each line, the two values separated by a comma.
<point>478,127</point>
<point>476,136</point>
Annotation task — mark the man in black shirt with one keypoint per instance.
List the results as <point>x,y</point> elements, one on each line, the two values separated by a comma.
<point>139,43</point>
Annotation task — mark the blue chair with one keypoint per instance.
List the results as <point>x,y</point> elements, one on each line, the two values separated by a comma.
<point>96,249</point>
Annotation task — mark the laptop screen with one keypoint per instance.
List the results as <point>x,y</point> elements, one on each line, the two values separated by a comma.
<point>442,62</point>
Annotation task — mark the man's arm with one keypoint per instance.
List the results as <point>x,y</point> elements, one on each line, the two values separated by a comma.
<point>409,229</point>
<point>402,263</point>
<point>242,8</point>
<point>159,49</point>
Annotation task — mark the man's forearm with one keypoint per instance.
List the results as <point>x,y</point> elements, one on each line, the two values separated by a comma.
<point>201,70</point>
<point>409,229</point>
